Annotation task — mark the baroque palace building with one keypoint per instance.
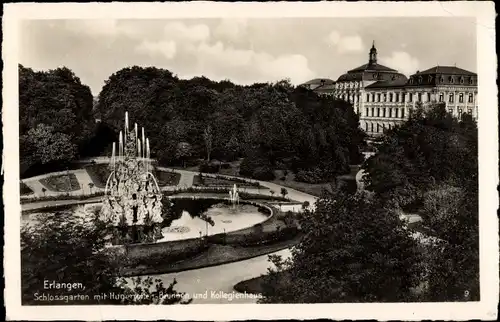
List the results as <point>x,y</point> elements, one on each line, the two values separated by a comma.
<point>384,97</point>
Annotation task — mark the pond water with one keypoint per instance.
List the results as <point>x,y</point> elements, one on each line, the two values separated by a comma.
<point>186,218</point>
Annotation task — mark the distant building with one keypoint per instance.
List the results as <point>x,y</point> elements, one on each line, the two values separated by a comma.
<point>383,97</point>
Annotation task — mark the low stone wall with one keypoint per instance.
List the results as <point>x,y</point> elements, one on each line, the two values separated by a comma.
<point>185,248</point>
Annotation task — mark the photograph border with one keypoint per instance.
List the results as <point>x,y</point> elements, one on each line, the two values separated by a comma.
<point>484,12</point>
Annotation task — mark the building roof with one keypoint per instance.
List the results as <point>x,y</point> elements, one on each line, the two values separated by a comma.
<point>320,81</point>
<point>449,70</point>
<point>372,67</point>
<point>398,82</point>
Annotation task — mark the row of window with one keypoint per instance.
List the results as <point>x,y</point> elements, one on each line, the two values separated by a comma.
<point>395,97</point>
<point>386,112</point>
<point>451,79</point>
<point>378,128</point>
<point>460,111</point>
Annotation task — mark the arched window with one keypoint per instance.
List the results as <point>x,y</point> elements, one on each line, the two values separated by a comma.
<point>452,79</point>
<point>471,98</point>
<point>420,79</point>
<point>461,97</point>
<point>391,97</point>
<point>410,97</point>
<point>451,98</point>
<point>461,80</point>
<point>367,97</point>
<point>397,97</point>
<point>378,112</point>
<point>441,97</point>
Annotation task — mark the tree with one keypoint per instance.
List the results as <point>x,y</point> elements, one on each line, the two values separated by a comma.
<point>44,190</point>
<point>91,185</point>
<point>208,138</point>
<point>47,145</point>
<point>57,99</point>
<point>353,250</point>
<point>183,152</point>
<point>69,247</point>
<point>428,166</point>
<point>284,192</point>
<point>305,205</point>
<point>272,192</point>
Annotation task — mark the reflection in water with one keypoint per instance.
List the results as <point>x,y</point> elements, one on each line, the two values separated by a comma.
<point>189,222</point>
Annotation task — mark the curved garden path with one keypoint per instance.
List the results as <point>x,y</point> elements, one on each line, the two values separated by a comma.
<point>186,181</point>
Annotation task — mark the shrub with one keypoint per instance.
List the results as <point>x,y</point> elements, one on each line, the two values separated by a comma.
<point>310,176</point>
<point>225,165</point>
<point>209,167</point>
<point>256,166</point>
<point>263,173</point>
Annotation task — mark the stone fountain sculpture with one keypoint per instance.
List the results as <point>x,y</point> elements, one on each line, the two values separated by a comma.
<point>132,198</point>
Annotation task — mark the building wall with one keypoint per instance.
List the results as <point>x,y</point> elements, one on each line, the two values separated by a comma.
<point>383,108</point>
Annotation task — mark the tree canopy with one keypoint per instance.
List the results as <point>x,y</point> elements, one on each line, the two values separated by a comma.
<point>429,166</point>
<point>69,247</point>
<point>55,116</point>
<point>354,250</point>
<point>271,125</point>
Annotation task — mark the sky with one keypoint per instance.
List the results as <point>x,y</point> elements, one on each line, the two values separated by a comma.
<point>246,51</point>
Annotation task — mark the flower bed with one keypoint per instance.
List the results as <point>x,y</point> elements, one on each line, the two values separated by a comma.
<point>25,190</point>
<point>62,197</point>
<point>220,181</point>
<point>61,183</point>
<point>98,173</point>
<point>167,178</point>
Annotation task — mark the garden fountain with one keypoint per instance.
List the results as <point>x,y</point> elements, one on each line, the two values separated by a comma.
<point>234,197</point>
<point>132,197</point>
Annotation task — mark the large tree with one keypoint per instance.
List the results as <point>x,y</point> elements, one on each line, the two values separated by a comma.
<point>291,127</point>
<point>69,247</point>
<point>428,166</point>
<point>53,104</point>
<point>354,250</point>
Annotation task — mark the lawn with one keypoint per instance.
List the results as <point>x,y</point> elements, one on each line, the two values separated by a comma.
<point>208,181</point>
<point>167,178</point>
<point>61,183</point>
<point>98,173</point>
<point>25,190</point>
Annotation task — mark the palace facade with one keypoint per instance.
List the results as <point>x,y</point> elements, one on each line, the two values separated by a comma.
<point>383,97</point>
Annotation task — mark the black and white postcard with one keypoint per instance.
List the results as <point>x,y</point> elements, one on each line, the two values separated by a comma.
<point>266,160</point>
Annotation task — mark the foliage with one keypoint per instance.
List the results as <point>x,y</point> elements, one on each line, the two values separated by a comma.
<point>43,145</point>
<point>208,167</point>
<point>275,122</point>
<point>56,119</point>
<point>311,176</point>
<point>69,247</point>
<point>353,250</point>
<point>284,192</point>
<point>429,166</point>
